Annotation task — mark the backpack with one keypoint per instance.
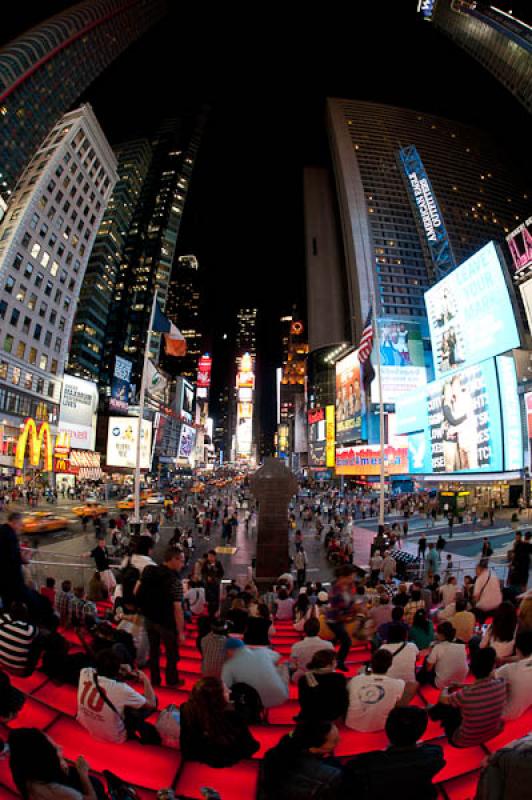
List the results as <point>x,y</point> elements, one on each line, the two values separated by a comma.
<point>247,703</point>
<point>129,577</point>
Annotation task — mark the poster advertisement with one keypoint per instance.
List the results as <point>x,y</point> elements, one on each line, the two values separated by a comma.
<point>122,442</point>
<point>520,245</point>
<point>511,413</point>
<point>204,372</point>
<point>526,293</point>
<point>348,399</point>
<point>365,459</point>
<point>330,441</point>
<point>77,415</point>
<point>120,385</point>
<point>300,425</point>
<point>470,313</point>
<point>187,439</point>
<point>402,359</point>
<point>317,436</point>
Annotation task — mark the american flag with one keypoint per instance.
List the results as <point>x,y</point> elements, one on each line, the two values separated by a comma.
<point>366,340</point>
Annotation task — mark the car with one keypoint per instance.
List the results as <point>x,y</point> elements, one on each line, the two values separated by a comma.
<point>43,522</point>
<point>129,502</point>
<point>155,499</point>
<point>90,509</point>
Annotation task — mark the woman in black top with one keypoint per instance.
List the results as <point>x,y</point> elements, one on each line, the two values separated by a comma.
<point>211,732</point>
<point>237,616</point>
<point>258,628</point>
<point>322,691</point>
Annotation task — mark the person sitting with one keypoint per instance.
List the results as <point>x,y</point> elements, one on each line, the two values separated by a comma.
<point>84,613</point>
<point>383,631</point>
<point>11,702</point>
<point>322,691</point>
<point>284,605</point>
<point>416,602</point>
<point>63,604</point>
<point>40,772</point>
<point>501,633</point>
<point>211,732</point>
<point>257,669</point>
<point>446,663</point>
<point>195,599</point>
<point>373,694</point>
<point>505,774</point>
<point>462,620</point>
<point>300,765</point>
<point>401,598</point>
<point>487,595</point>
<point>448,592</point>
<point>20,642</point>
<point>111,710</point>
<point>422,630</point>
<point>237,616</point>
<point>303,651</point>
<point>472,715</point>
<point>48,591</point>
<point>404,769</point>
<point>518,677</point>
<point>259,627</point>
<point>303,609</point>
<point>212,647</point>
<point>404,654</point>
<point>381,612</point>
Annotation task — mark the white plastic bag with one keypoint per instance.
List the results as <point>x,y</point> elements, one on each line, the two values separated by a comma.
<point>169,726</point>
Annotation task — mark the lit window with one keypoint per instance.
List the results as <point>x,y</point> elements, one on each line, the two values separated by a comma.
<point>35,250</point>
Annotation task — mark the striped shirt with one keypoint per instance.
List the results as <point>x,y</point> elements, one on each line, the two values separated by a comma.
<point>16,638</point>
<point>481,705</point>
<point>63,606</point>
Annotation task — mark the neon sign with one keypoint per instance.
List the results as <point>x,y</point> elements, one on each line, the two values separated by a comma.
<point>36,440</point>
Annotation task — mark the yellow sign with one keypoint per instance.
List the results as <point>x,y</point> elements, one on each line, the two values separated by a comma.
<point>330,451</point>
<point>38,439</point>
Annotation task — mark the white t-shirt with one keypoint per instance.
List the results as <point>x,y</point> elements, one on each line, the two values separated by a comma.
<point>487,591</point>
<point>404,663</point>
<point>518,677</point>
<point>257,668</point>
<point>196,598</point>
<point>95,715</point>
<point>302,652</point>
<point>450,663</point>
<point>371,698</point>
<point>448,594</point>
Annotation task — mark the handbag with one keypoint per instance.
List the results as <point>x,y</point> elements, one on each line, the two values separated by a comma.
<point>169,726</point>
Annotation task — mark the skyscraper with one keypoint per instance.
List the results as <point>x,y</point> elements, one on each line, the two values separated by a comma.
<point>183,308</point>
<point>87,357</point>
<point>46,69</point>
<point>152,239</point>
<point>45,242</point>
<point>384,243</point>
<point>246,332</point>
<point>499,41</point>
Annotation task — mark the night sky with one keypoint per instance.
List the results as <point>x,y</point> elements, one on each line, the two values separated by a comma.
<point>266,72</point>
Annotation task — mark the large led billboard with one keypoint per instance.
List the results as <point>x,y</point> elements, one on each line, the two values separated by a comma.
<point>520,245</point>
<point>470,313</point>
<point>402,359</point>
<point>122,442</point>
<point>526,293</point>
<point>77,415</point>
<point>365,459</point>
<point>187,439</point>
<point>204,372</point>
<point>317,437</point>
<point>458,424</point>
<point>348,399</point>
<point>300,425</point>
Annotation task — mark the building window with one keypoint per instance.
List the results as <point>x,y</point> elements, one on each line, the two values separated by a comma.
<point>51,212</point>
<point>63,276</point>
<point>32,358</point>
<point>43,362</point>
<point>37,332</point>
<point>26,325</point>
<point>62,322</point>
<point>28,380</point>
<point>34,221</point>
<point>28,272</point>
<point>15,314</point>
<point>32,302</point>
<point>3,369</point>
<point>54,268</point>
<point>16,376</point>
<point>39,279</point>
<point>26,239</point>
<point>47,338</point>
<point>17,261</point>
<point>53,368</point>
<point>35,250</point>
<point>48,289</point>
<point>45,259</point>
<point>58,296</point>
<point>51,388</point>
<point>9,284</point>
<point>39,388</point>
<point>3,309</point>
<point>43,308</point>
<point>53,317</point>
<point>52,240</point>
<point>21,349</point>
<point>58,343</point>
<point>43,230</point>
<point>8,343</point>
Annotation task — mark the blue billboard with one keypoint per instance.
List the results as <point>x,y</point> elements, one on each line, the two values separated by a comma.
<point>120,385</point>
<point>511,414</point>
<point>470,314</point>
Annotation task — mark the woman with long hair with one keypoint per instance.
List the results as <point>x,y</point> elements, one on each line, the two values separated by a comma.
<point>211,731</point>
<point>322,691</point>
<point>259,627</point>
<point>501,633</point>
<point>40,772</point>
<point>422,630</point>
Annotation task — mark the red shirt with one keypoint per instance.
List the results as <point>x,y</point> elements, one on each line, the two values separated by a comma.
<point>49,593</point>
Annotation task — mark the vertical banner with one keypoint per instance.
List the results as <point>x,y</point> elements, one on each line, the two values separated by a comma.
<point>330,446</point>
<point>511,413</point>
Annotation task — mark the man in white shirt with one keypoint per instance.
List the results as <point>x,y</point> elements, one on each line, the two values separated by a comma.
<point>404,654</point>
<point>447,658</point>
<point>372,696</point>
<point>111,710</point>
<point>303,651</point>
<point>196,599</point>
<point>518,677</point>
<point>487,589</point>
<point>448,592</point>
<point>257,668</point>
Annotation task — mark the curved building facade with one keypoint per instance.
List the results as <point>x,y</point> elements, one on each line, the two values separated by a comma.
<point>44,71</point>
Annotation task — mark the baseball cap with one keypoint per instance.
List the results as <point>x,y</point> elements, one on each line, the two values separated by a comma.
<point>233,644</point>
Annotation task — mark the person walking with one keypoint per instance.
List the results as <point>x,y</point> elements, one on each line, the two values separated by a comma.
<point>160,599</point>
<point>422,546</point>
<point>300,563</point>
<point>341,610</point>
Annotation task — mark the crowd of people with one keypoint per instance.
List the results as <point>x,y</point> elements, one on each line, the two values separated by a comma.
<point>471,642</point>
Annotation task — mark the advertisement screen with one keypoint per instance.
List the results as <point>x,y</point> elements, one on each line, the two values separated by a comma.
<point>187,439</point>
<point>330,441</point>
<point>470,314</point>
<point>77,417</point>
<point>204,372</point>
<point>454,425</point>
<point>511,413</point>
<point>244,433</point>
<point>520,245</point>
<point>120,385</point>
<point>526,293</point>
<point>365,459</point>
<point>317,435</point>
<point>402,359</point>
<point>122,442</point>
<point>348,399</point>
<point>300,425</point>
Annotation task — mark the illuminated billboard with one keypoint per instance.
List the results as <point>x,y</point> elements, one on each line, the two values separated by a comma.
<point>122,442</point>
<point>245,377</point>
<point>245,382</point>
<point>520,245</point>
<point>365,459</point>
<point>204,372</point>
<point>458,424</point>
<point>526,293</point>
<point>77,416</point>
<point>121,385</point>
<point>184,400</point>
<point>402,359</point>
<point>244,437</point>
<point>330,442</point>
<point>317,436</point>
<point>470,313</point>
<point>300,425</point>
<point>348,399</point>
<point>187,439</point>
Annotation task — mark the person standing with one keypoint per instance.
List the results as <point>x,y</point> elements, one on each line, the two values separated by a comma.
<point>160,598</point>
<point>422,546</point>
<point>12,586</point>
<point>300,563</point>
<point>100,554</point>
<point>212,573</point>
<point>432,561</point>
<point>450,520</point>
<point>487,549</point>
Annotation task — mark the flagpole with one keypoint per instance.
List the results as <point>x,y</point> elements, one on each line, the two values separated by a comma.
<point>381,412</point>
<point>141,410</point>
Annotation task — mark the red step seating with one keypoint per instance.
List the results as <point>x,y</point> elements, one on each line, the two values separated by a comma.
<point>239,781</point>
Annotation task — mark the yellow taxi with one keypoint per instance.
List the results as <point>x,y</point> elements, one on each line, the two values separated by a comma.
<point>129,502</point>
<point>90,509</point>
<point>43,522</point>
